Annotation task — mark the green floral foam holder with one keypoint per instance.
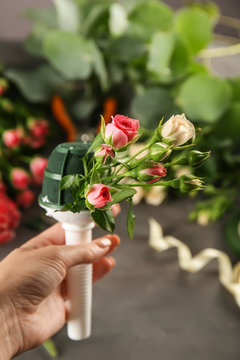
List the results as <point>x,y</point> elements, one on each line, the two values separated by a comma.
<point>64,160</point>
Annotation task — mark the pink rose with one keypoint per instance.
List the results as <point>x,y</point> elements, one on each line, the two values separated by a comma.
<point>12,138</point>
<point>99,195</point>
<point>154,172</point>
<point>20,178</point>
<point>127,125</point>
<point>25,199</point>
<point>119,139</point>
<point>37,167</point>
<point>122,129</point>
<point>105,151</point>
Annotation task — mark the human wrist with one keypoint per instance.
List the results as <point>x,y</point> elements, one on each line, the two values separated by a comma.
<point>9,336</point>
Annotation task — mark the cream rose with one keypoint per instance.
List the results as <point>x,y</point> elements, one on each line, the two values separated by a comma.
<point>178,128</point>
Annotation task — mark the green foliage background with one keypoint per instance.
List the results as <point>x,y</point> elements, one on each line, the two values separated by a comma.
<point>149,58</point>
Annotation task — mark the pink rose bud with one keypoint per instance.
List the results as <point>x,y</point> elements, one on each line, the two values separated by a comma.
<point>12,138</point>
<point>99,195</point>
<point>104,152</point>
<point>122,129</point>
<point>25,199</point>
<point>37,167</point>
<point>20,178</point>
<point>154,172</point>
<point>38,128</point>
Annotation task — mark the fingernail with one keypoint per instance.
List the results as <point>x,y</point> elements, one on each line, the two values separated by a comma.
<point>105,242</point>
<point>111,261</point>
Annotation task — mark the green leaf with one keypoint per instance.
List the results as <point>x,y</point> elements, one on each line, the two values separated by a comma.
<point>33,42</point>
<point>195,27</point>
<point>83,108</point>
<point>229,125</point>
<point>161,49</point>
<point>80,205</point>
<point>235,85</point>
<point>95,179</point>
<point>149,17</point>
<point>96,142</point>
<point>131,221</point>
<point>77,186</point>
<point>104,219</point>
<point>102,127</point>
<point>117,20</point>
<point>67,182</point>
<point>123,194</point>
<point>37,85</point>
<point>126,48</point>
<point>151,105</point>
<point>204,97</point>
<point>69,53</point>
<point>99,65</point>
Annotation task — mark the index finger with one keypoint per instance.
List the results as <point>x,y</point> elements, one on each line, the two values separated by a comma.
<point>54,235</point>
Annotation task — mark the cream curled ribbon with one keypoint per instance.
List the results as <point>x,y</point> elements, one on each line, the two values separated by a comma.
<point>229,276</point>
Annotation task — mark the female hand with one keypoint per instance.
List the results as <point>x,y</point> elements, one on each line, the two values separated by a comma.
<point>32,291</point>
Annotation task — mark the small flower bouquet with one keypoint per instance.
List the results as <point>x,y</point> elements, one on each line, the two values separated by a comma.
<point>111,174</point>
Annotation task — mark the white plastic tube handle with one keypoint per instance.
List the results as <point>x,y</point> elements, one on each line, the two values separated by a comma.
<point>79,285</point>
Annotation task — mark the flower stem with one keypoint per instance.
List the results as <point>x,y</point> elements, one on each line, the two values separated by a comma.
<point>50,348</point>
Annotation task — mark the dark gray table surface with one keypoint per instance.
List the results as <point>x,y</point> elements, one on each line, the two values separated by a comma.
<point>147,308</point>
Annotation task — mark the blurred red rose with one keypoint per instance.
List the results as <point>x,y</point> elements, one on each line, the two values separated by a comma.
<point>26,198</point>
<point>37,167</point>
<point>20,178</point>
<point>9,218</point>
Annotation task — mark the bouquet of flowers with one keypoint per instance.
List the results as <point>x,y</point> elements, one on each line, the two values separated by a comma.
<point>111,174</point>
<point>21,168</point>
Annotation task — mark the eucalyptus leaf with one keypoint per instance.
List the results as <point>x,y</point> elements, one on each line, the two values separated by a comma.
<point>118,19</point>
<point>229,124</point>
<point>83,108</point>
<point>126,48</point>
<point>99,65</point>
<point>195,26</point>
<point>69,53</point>
<point>151,105</point>
<point>131,221</point>
<point>37,85</point>
<point>104,219</point>
<point>235,85</point>
<point>34,41</point>
<point>149,17</point>
<point>161,49</point>
<point>67,14</point>
<point>204,97</point>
